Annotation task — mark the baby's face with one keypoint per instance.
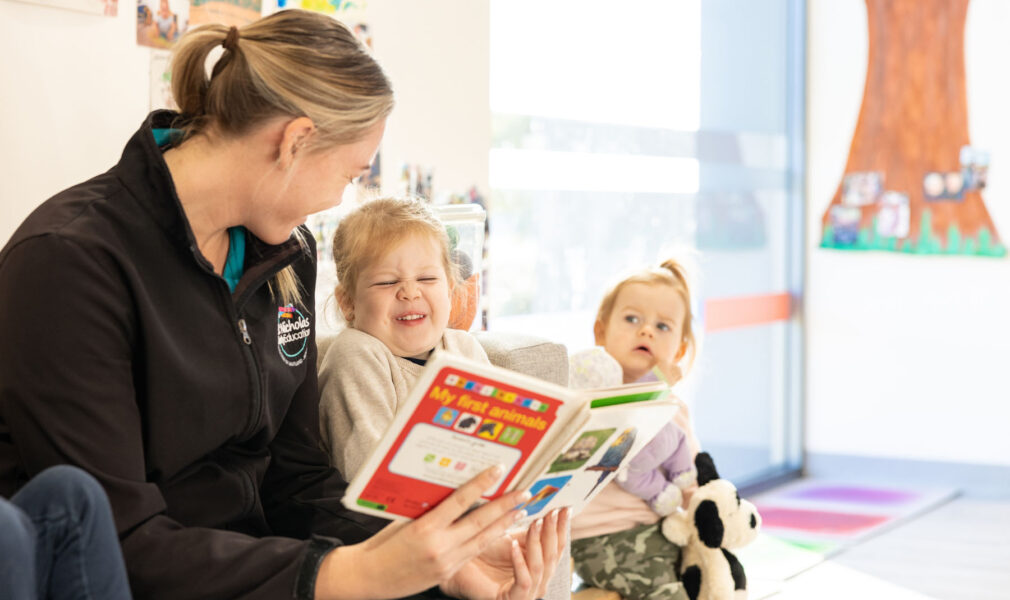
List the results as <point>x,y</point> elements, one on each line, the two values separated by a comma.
<point>645,328</point>
<point>403,298</point>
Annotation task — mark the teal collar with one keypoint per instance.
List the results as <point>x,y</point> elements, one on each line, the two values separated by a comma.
<point>234,265</point>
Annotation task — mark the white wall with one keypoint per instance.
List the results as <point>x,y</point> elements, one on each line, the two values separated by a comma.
<point>907,356</point>
<point>74,87</point>
<point>436,53</point>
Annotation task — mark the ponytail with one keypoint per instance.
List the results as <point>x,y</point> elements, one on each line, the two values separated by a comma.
<point>293,63</point>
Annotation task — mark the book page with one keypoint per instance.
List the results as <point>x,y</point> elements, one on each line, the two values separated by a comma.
<point>607,442</point>
<point>462,418</point>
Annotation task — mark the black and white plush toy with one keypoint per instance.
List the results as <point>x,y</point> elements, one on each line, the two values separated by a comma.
<point>715,521</point>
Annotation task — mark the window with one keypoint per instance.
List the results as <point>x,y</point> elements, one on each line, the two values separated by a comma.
<point>624,133</point>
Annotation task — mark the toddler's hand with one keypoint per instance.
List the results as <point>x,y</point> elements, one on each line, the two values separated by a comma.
<point>667,501</point>
<point>669,372</point>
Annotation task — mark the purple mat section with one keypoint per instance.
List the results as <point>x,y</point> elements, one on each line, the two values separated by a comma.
<point>860,495</point>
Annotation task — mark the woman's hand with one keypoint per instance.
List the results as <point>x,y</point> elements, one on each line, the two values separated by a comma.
<point>408,558</point>
<point>514,568</point>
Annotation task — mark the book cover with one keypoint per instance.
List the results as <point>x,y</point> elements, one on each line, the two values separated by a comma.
<point>463,416</point>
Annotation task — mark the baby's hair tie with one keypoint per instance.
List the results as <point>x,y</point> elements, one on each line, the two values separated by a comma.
<point>230,40</point>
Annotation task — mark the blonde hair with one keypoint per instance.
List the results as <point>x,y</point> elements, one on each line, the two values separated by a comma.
<point>670,273</point>
<point>293,63</point>
<point>373,229</point>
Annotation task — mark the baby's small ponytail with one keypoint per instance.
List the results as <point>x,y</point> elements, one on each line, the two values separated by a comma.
<point>680,283</point>
<point>678,271</point>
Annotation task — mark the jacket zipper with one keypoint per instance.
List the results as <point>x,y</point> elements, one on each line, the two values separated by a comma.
<point>245,332</point>
<point>258,399</point>
<point>235,304</point>
<point>257,395</point>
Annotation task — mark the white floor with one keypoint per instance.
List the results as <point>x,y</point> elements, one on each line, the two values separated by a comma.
<point>958,551</point>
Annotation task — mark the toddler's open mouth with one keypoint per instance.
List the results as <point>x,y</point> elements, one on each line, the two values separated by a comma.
<point>411,317</point>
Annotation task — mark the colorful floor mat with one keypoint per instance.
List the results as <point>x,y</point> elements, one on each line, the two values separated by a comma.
<point>807,521</point>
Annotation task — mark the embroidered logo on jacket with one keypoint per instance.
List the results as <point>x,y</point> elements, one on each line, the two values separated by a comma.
<point>292,334</point>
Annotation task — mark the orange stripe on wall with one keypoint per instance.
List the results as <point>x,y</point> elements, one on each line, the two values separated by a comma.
<point>743,311</point>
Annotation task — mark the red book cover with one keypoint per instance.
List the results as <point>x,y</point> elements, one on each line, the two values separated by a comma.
<point>464,423</point>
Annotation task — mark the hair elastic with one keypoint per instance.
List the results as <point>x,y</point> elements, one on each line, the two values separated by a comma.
<point>231,40</point>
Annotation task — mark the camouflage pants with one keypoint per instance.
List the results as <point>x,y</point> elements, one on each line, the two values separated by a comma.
<point>638,564</point>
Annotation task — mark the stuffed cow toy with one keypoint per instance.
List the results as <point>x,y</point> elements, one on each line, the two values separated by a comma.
<point>716,520</point>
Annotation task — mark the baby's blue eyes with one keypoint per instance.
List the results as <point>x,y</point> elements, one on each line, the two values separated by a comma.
<point>635,320</point>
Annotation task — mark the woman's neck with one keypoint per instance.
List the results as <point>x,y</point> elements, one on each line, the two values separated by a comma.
<point>203,174</point>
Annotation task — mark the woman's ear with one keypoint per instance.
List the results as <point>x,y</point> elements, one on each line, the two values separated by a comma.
<point>599,332</point>
<point>293,137</point>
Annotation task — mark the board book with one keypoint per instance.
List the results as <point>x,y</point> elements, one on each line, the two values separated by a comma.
<point>462,416</point>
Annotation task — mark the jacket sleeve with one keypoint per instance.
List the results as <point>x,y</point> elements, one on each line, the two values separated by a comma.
<point>67,396</point>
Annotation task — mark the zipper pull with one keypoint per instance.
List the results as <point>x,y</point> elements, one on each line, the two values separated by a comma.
<point>245,332</point>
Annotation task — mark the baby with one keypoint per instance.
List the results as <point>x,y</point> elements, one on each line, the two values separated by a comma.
<point>643,330</point>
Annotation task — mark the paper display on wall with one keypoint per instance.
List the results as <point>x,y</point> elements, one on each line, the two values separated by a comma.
<point>108,8</point>
<point>913,183</point>
<point>161,81</point>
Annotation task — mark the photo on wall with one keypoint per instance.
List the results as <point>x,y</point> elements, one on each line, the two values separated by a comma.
<point>160,23</point>
<point>225,12</point>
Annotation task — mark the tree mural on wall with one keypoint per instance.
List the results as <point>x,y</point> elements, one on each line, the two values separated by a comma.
<point>912,182</point>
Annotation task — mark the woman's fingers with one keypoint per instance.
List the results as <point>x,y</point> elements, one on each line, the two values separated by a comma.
<point>553,541</point>
<point>461,538</point>
<point>464,497</point>
<point>564,525</point>
<point>488,523</point>
<point>522,584</point>
<point>535,552</point>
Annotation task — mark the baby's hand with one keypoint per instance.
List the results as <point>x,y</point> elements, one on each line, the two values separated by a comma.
<point>667,501</point>
<point>669,373</point>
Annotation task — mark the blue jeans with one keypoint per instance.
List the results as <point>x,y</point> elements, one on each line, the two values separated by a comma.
<point>58,540</point>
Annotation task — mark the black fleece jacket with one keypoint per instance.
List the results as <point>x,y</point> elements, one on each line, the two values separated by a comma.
<point>122,352</point>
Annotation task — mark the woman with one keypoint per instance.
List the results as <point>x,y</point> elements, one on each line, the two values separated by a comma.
<point>170,351</point>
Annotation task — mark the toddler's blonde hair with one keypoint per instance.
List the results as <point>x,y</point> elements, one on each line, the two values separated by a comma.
<point>373,229</point>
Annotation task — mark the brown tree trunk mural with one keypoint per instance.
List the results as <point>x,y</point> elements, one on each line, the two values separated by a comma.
<point>913,122</point>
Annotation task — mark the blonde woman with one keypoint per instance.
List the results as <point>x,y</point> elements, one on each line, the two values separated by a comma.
<point>158,332</point>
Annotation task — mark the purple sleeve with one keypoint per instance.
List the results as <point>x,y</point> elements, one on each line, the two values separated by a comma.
<point>679,460</point>
<point>646,474</point>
